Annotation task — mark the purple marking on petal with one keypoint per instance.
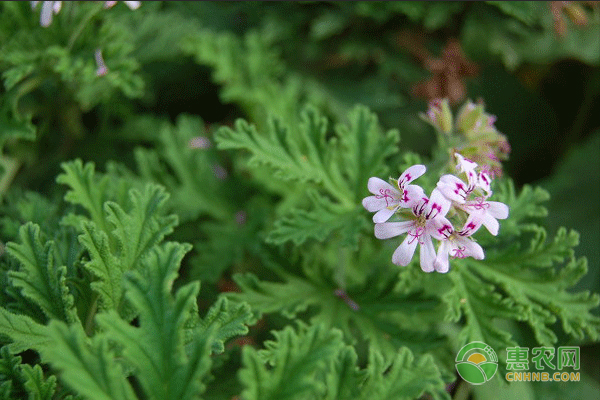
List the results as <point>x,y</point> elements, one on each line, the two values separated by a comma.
<point>445,230</point>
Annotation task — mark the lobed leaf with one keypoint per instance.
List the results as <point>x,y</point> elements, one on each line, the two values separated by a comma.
<point>38,277</point>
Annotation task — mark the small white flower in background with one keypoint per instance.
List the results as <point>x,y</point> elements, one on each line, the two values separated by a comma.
<point>427,218</point>
<point>133,5</point>
<point>388,199</point>
<point>200,142</point>
<point>102,69</point>
<point>48,9</point>
<point>219,172</point>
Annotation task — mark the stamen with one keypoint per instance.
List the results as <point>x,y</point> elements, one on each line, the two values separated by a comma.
<point>481,204</point>
<point>459,252</point>
<point>384,194</point>
<point>417,235</point>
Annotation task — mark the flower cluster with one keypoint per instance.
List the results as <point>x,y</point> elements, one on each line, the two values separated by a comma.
<point>452,202</point>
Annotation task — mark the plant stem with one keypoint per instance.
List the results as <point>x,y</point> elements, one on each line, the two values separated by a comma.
<point>11,167</point>
<point>86,19</point>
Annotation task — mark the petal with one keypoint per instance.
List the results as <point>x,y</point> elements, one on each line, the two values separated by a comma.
<point>498,210</point>
<point>404,253</point>
<point>439,228</point>
<point>464,164</point>
<point>133,5</point>
<point>473,223</point>
<point>484,181</point>
<point>391,229</point>
<point>411,174</point>
<point>427,254</point>
<point>412,194</point>
<point>441,260</point>
<point>437,206</point>
<point>383,215</point>
<point>491,224</point>
<point>379,186</point>
<point>46,14</point>
<point>472,248</point>
<point>373,203</point>
<point>453,188</point>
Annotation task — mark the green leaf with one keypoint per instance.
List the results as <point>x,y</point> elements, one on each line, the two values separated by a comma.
<point>20,381</point>
<point>24,332</point>
<point>318,223</point>
<point>337,167</point>
<point>194,186</point>
<point>251,72</point>
<point>524,277</point>
<point>39,278</point>
<point>373,311</point>
<point>39,388</point>
<point>528,12</point>
<point>86,189</point>
<point>364,148</point>
<point>138,230</point>
<point>294,360</point>
<point>405,378</point>
<point>227,321</point>
<point>105,266</point>
<point>165,368</point>
<point>306,157</point>
<point>87,366</point>
<point>515,43</point>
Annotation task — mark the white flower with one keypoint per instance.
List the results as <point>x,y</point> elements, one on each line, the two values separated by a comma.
<point>428,215</point>
<point>490,212</point>
<point>48,8</point>
<point>457,244</point>
<point>133,5</point>
<point>102,69</point>
<point>388,199</point>
<point>459,193</point>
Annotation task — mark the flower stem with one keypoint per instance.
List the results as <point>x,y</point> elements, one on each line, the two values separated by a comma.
<point>86,19</point>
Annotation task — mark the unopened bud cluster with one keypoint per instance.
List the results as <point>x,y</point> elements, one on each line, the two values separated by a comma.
<point>472,134</point>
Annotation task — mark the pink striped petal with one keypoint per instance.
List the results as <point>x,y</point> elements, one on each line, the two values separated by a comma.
<point>453,188</point>
<point>411,174</point>
<point>377,186</point>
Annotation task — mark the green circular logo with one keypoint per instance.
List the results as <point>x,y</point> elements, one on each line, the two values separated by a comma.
<point>476,363</point>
